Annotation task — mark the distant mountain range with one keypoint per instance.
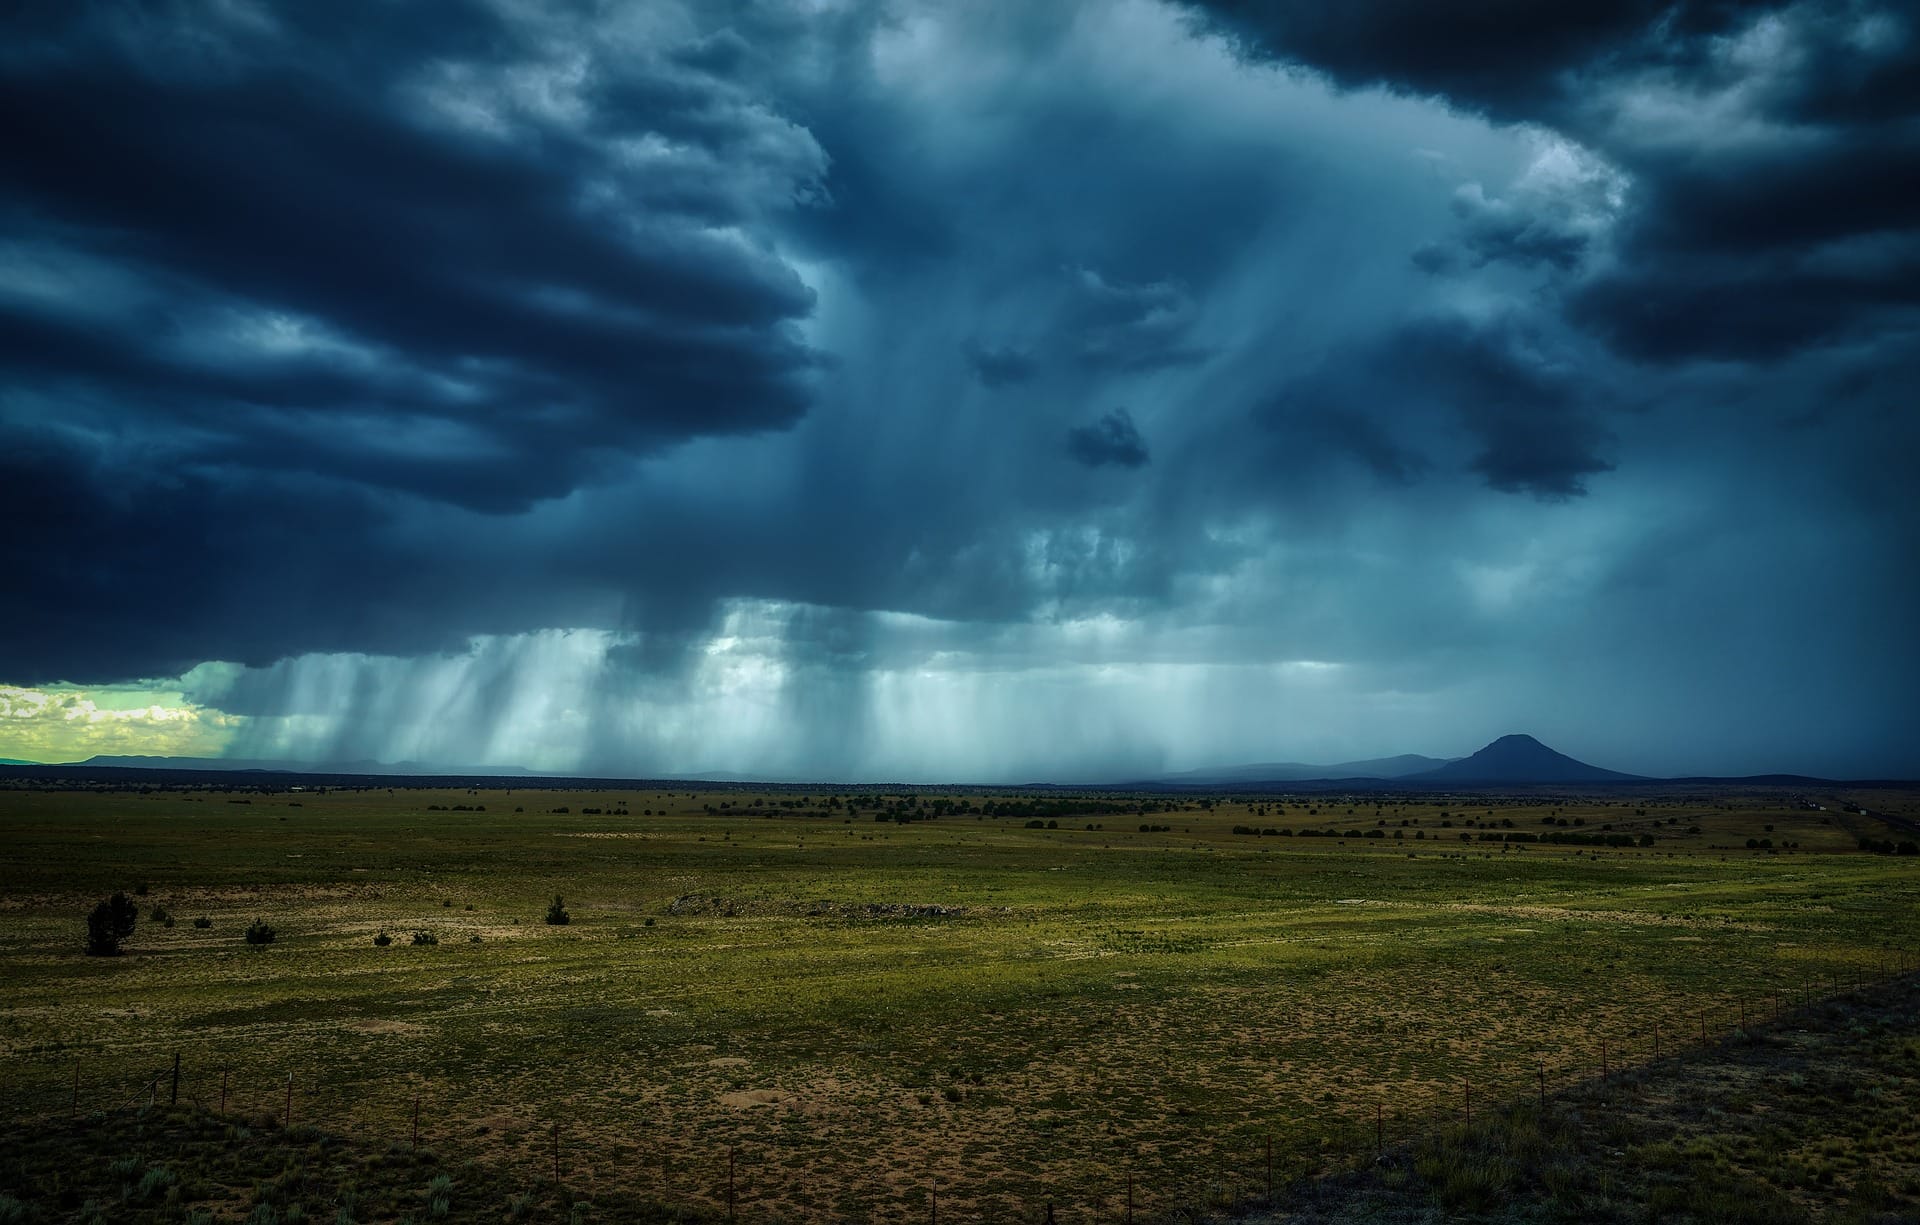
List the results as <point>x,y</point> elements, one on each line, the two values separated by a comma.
<point>1510,760</point>
<point>1517,760</point>
<point>408,768</point>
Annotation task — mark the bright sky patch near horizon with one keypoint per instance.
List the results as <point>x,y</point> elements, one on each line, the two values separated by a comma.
<point>1068,391</point>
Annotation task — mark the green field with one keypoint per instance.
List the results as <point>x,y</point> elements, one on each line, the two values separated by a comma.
<point>863,1012</point>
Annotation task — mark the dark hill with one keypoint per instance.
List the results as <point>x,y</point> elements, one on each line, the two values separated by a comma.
<point>1519,759</point>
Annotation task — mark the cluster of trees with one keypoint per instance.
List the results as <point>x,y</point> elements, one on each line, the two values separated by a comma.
<point>1556,837</point>
<point>1887,846</point>
<point>110,925</point>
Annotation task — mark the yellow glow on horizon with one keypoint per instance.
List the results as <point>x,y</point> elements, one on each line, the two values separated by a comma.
<point>61,723</point>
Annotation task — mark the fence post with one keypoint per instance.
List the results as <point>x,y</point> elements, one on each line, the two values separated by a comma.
<point>1129,1195</point>
<point>1656,1041</point>
<point>731,1152</point>
<point>1469,1099</point>
<point>173,1093</point>
<point>1603,1059</point>
<point>556,1156</point>
<point>289,1122</point>
<point>1379,1130</point>
<point>223,1090</point>
<point>1543,1084</point>
<point>73,1107</point>
<point>416,1123</point>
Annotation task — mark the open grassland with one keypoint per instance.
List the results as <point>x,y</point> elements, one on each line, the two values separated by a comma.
<point>865,1012</point>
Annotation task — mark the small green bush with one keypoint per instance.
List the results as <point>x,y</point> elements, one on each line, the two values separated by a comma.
<point>382,940</point>
<point>155,1182</point>
<point>203,922</point>
<point>258,933</point>
<point>557,915</point>
<point>424,938</point>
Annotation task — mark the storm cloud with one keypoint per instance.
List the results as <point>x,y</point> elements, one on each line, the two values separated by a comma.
<point>666,388</point>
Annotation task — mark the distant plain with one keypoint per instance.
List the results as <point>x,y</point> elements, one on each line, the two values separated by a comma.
<point>865,1011</point>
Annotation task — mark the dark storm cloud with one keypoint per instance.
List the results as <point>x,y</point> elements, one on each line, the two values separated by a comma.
<point>709,386</point>
<point>1344,408</point>
<point>307,225</point>
<point>1498,231</point>
<point>1113,439</point>
<point>1130,326</point>
<point>1759,136</point>
<point>1531,412</point>
<point>1510,58</point>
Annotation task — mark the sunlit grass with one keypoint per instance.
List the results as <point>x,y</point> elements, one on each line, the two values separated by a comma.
<point>861,1007</point>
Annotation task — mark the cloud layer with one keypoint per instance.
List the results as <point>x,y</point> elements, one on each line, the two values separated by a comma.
<point>468,381</point>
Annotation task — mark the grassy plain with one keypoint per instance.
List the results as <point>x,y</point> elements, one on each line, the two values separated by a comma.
<point>864,1013</point>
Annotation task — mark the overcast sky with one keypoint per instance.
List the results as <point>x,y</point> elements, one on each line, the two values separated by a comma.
<point>987,391</point>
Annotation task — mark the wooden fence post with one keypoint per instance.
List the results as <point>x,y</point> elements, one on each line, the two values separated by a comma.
<point>416,1123</point>
<point>289,1122</point>
<point>223,1090</point>
<point>173,1093</point>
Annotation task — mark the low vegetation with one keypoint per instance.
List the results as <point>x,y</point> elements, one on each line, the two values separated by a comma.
<point>864,1014</point>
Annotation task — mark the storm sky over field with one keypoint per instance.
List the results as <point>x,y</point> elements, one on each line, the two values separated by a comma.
<point>993,391</point>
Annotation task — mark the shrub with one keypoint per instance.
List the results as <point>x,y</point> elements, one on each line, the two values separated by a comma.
<point>259,933</point>
<point>424,938</point>
<point>557,915</point>
<point>154,1182</point>
<point>382,940</point>
<point>110,922</point>
<point>203,922</point>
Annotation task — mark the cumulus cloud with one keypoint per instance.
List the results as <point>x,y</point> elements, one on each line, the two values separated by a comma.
<point>66,724</point>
